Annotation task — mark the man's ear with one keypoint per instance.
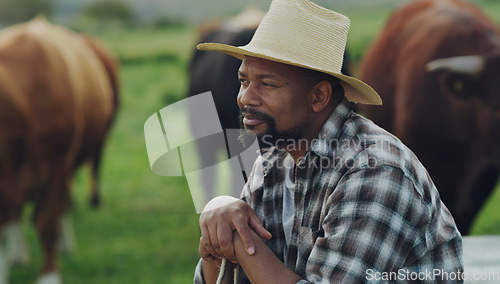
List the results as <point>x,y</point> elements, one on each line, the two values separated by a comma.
<point>322,94</point>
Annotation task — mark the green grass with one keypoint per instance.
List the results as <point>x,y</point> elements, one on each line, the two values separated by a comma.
<point>491,8</point>
<point>147,230</point>
<point>146,45</point>
<point>488,220</point>
<point>365,25</point>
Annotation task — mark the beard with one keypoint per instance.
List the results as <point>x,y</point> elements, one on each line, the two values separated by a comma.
<point>272,137</point>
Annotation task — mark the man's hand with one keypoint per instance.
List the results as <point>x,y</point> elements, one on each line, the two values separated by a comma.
<point>221,216</point>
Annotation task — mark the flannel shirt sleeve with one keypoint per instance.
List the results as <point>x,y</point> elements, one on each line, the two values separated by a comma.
<point>198,273</point>
<point>378,221</point>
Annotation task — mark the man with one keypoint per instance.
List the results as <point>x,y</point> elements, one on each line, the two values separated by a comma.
<point>332,198</point>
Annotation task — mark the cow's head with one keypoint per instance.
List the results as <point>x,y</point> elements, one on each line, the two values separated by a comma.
<point>473,80</point>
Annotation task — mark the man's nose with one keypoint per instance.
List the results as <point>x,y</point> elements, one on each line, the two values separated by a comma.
<point>249,96</point>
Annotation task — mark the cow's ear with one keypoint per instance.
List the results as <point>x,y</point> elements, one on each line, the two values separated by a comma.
<point>458,85</point>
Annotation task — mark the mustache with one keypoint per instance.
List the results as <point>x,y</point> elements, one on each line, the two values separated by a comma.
<point>255,113</point>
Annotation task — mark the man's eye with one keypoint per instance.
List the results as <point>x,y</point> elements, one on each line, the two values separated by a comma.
<point>269,85</point>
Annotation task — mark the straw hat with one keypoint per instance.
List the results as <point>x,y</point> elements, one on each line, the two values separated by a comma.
<point>301,33</point>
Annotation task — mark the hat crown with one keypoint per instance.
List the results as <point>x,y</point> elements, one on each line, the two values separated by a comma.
<point>303,32</point>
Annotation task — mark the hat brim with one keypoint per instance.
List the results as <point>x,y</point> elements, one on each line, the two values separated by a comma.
<point>355,90</point>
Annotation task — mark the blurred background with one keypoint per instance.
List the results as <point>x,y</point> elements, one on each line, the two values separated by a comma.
<point>146,230</point>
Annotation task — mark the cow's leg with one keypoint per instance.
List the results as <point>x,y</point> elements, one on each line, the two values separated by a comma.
<point>67,243</point>
<point>95,198</point>
<point>51,205</point>
<point>48,229</point>
<point>15,250</point>
<point>49,278</point>
<point>208,181</point>
<point>48,226</point>
<point>4,268</point>
<point>208,158</point>
<point>16,247</point>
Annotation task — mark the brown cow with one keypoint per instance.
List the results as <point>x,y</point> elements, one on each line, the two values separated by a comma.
<point>58,93</point>
<point>436,65</point>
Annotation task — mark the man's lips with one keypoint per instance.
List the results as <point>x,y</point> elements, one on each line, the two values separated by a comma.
<point>252,121</point>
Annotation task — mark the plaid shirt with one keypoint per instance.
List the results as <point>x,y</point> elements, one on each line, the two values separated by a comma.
<point>366,210</point>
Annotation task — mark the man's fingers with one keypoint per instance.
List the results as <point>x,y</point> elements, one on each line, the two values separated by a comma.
<point>206,241</point>
<point>214,239</point>
<point>225,234</point>
<point>213,259</point>
<point>217,228</point>
<point>244,232</point>
<point>207,256</point>
<point>256,225</point>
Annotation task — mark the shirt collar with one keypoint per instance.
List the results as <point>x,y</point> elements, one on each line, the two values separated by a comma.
<point>324,144</point>
<point>269,157</point>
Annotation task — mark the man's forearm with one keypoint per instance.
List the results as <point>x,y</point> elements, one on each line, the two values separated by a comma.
<point>263,266</point>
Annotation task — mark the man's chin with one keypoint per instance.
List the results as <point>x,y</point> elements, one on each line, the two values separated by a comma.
<point>248,136</point>
<point>257,130</point>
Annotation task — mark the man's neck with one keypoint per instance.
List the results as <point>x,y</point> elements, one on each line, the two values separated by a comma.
<point>301,147</point>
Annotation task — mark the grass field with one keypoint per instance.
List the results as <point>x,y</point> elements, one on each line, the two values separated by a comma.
<point>147,230</point>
